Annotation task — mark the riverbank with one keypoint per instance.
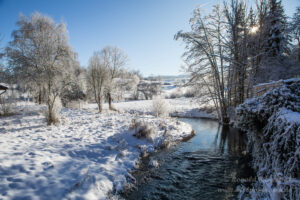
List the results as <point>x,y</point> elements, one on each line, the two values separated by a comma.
<point>86,156</point>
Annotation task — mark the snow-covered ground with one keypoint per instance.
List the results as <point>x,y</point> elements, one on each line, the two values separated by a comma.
<point>86,156</point>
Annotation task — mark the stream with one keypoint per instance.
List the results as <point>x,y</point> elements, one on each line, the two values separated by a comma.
<point>211,165</point>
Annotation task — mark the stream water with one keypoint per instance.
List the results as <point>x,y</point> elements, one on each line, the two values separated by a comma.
<point>208,166</point>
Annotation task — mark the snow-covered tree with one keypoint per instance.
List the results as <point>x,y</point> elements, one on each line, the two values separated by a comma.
<point>206,57</point>
<point>2,71</point>
<point>77,89</point>
<point>39,55</point>
<point>97,77</point>
<point>104,74</point>
<point>295,30</point>
<point>277,24</point>
<point>115,60</point>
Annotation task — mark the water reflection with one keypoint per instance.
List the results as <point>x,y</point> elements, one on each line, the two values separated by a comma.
<point>231,139</point>
<point>208,166</point>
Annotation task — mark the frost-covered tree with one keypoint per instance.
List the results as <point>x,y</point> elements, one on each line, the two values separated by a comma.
<point>97,76</point>
<point>2,69</point>
<point>77,89</point>
<point>39,55</point>
<point>115,60</point>
<point>105,71</point>
<point>206,58</point>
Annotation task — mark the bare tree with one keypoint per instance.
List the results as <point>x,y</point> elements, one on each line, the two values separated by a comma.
<point>205,57</point>
<point>97,76</point>
<point>237,26</point>
<point>115,59</point>
<point>38,53</point>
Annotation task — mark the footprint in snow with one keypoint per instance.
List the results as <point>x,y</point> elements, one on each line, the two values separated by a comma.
<point>11,179</point>
<point>47,165</point>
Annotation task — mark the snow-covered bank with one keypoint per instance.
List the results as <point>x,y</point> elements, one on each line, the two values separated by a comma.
<point>272,123</point>
<point>86,156</point>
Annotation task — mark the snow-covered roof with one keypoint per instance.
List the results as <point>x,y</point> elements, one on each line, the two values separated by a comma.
<point>2,87</point>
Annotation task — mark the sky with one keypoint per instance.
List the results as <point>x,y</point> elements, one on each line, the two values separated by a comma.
<point>144,29</point>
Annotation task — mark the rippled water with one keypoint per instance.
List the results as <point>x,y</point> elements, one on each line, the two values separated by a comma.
<point>208,166</point>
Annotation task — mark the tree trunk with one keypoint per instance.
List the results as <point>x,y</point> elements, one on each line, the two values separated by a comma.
<point>111,107</point>
<point>40,97</point>
<point>51,116</point>
<point>299,51</point>
<point>99,103</point>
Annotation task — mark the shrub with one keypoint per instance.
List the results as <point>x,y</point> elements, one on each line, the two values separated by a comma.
<point>141,129</point>
<point>175,95</point>
<point>190,93</point>
<point>160,107</point>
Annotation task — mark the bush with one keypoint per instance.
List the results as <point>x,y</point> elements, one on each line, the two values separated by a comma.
<point>190,93</point>
<point>175,94</point>
<point>141,129</point>
<point>160,107</point>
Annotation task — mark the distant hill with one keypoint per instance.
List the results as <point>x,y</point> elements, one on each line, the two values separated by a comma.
<point>170,78</point>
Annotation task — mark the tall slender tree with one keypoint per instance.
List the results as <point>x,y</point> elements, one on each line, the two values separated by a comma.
<point>237,26</point>
<point>116,59</point>
<point>97,77</point>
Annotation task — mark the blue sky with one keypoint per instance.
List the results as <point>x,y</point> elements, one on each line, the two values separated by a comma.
<point>144,29</point>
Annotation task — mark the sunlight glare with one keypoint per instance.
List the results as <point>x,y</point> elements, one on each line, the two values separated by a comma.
<point>253,29</point>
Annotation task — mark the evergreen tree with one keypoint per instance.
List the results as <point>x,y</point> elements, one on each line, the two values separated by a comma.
<point>276,23</point>
<point>295,31</point>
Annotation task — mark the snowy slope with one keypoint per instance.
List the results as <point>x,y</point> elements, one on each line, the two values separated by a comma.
<point>87,156</point>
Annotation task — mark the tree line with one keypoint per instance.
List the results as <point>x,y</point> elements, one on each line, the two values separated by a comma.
<point>235,47</point>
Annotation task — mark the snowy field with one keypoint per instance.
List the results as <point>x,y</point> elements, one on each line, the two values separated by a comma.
<point>180,107</point>
<point>86,156</point>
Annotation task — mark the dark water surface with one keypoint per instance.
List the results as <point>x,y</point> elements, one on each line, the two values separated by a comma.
<point>208,166</point>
